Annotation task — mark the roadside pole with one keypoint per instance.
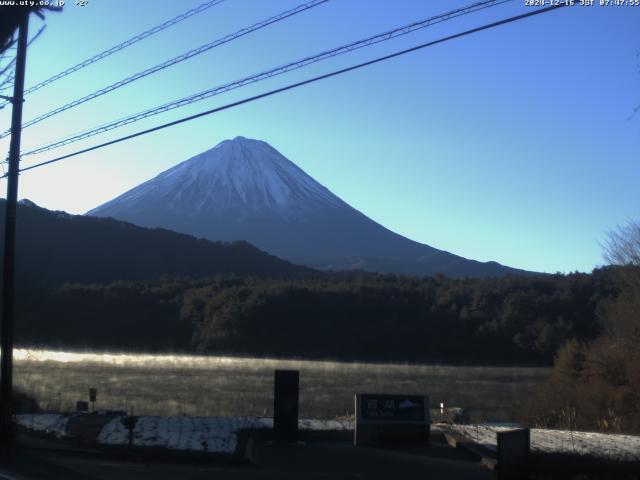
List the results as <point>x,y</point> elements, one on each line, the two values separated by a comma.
<point>8,272</point>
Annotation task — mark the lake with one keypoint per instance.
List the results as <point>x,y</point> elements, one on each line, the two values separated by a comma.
<point>229,386</point>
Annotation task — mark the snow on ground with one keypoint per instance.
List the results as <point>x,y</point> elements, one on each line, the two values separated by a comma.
<point>219,434</point>
<point>339,425</point>
<point>55,423</point>
<point>210,434</point>
<point>326,425</point>
<point>600,445</point>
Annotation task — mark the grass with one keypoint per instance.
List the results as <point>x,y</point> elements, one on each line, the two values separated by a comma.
<point>204,386</point>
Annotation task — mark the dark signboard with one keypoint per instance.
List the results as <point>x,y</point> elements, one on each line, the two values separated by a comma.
<point>403,408</point>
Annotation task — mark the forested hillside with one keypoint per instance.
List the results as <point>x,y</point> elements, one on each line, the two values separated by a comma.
<point>54,248</point>
<point>385,317</point>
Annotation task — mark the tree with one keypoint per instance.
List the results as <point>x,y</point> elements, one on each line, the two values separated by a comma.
<point>623,245</point>
<point>637,109</point>
<point>596,385</point>
<point>621,316</point>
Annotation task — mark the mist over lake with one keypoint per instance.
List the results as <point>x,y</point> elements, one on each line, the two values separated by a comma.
<point>231,386</point>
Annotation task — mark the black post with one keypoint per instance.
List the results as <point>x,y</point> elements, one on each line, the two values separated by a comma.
<point>285,406</point>
<point>93,393</point>
<point>8,273</point>
<point>513,453</point>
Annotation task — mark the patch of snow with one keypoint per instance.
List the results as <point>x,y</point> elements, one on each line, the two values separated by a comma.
<point>600,445</point>
<point>204,434</point>
<point>326,425</point>
<point>308,424</point>
<point>210,434</point>
<point>55,423</point>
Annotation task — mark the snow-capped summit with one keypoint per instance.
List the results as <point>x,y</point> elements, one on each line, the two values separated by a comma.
<point>244,189</point>
<point>239,174</point>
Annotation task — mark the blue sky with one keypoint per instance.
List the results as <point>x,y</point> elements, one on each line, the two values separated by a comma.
<point>512,144</point>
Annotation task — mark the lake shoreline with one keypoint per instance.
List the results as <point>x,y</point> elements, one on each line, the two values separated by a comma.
<point>21,354</point>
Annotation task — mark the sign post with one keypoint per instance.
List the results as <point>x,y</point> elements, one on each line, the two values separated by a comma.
<point>93,393</point>
<point>129,423</point>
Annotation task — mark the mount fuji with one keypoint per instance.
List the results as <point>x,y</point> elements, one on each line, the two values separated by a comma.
<point>244,189</point>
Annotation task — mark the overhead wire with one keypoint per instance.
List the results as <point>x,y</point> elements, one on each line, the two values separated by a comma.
<point>299,84</point>
<point>371,40</point>
<point>173,61</point>
<point>127,43</point>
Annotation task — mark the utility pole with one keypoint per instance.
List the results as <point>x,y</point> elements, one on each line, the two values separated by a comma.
<point>8,272</point>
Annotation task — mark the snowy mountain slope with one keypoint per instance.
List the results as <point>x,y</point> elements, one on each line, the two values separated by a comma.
<point>244,189</point>
<point>240,173</point>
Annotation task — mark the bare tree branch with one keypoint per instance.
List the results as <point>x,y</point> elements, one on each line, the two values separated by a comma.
<point>8,66</point>
<point>623,245</point>
<point>9,69</point>
<point>637,109</point>
<point>33,39</point>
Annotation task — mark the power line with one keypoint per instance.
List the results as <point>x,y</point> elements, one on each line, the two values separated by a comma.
<point>299,84</point>
<point>168,63</point>
<point>380,37</point>
<point>120,46</point>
